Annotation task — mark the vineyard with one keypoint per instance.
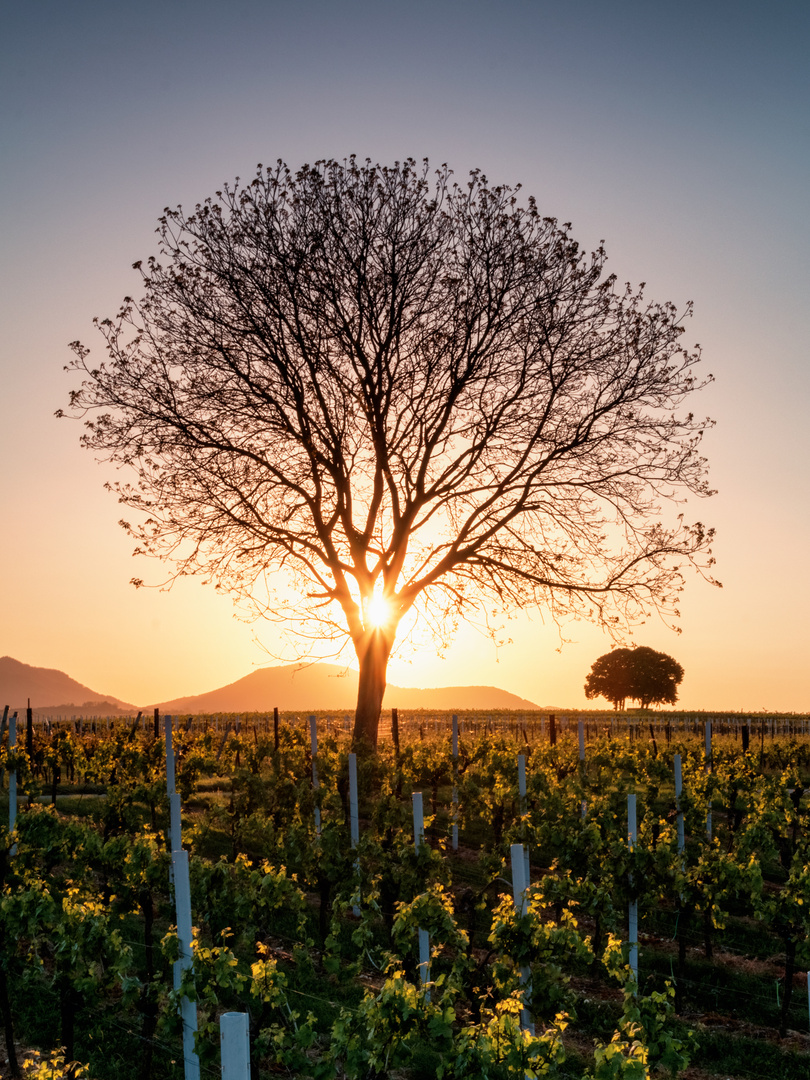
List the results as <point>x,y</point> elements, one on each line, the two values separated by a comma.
<point>597,896</point>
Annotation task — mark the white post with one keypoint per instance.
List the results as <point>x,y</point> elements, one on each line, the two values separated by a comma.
<point>418,819</point>
<point>455,783</point>
<point>354,819</point>
<point>167,724</point>
<point>424,938</point>
<point>678,793</point>
<point>632,913</point>
<point>424,959</point>
<point>313,738</point>
<point>175,840</point>
<point>175,825</point>
<point>12,780</point>
<point>519,886</point>
<point>188,1009</point>
<point>523,807</point>
<point>234,1043</point>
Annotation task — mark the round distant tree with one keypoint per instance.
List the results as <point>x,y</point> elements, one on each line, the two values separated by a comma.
<point>642,674</point>
<point>656,677</point>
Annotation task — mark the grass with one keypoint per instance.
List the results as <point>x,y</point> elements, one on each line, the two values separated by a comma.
<point>728,1054</point>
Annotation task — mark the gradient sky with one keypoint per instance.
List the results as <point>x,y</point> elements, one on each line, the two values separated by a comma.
<point>678,133</point>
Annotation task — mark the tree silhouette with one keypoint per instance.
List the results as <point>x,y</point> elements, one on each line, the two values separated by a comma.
<point>642,674</point>
<point>397,396</point>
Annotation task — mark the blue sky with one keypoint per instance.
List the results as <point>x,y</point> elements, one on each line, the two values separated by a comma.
<point>676,133</point>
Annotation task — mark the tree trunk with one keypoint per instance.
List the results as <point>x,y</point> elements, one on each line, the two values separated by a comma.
<point>373,652</point>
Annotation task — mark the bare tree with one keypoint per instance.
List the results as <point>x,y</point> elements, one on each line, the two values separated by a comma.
<point>406,395</point>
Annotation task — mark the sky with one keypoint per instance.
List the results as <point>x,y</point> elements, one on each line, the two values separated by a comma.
<point>676,133</point>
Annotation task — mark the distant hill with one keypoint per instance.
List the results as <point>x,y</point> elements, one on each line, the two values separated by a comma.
<point>290,687</point>
<point>52,691</point>
<point>293,687</point>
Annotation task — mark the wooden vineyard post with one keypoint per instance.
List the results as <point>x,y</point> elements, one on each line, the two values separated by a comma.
<point>455,783</point>
<point>234,1045</point>
<point>552,730</point>
<point>632,913</point>
<point>354,818</point>
<point>188,1009</point>
<point>12,780</point>
<point>708,759</point>
<point>519,887</point>
<point>746,737</point>
<point>275,728</point>
<point>424,939</point>
<point>157,723</point>
<point>167,727</point>
<point>523,808</point>
<point>29,734</point>
<point>2,733</point>
<point>761,745</point>
<point>224,739</point>
<point>313,739</point>
<point>395,732</point>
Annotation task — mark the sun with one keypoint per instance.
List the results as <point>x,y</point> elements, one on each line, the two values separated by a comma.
<point>378,611</point>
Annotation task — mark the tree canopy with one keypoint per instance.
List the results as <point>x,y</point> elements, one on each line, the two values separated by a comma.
<point>641,674</point>
<point>398,396</point>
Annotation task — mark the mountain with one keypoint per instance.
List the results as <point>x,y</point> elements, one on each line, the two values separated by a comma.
<point>294,687</point>
<point>290,687</point>
<point>50,690</point>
